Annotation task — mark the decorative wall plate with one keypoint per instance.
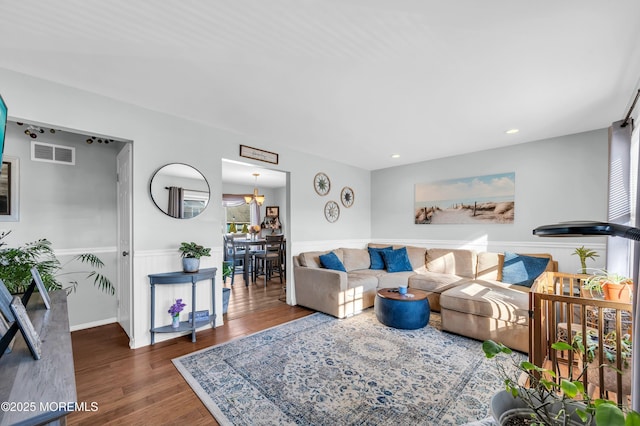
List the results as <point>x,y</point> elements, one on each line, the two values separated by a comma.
<point>322,184</point>
<point>347,196</point>
<point>331,211</point>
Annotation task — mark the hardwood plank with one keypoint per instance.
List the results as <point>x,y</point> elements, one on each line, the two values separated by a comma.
<point>142,386</point>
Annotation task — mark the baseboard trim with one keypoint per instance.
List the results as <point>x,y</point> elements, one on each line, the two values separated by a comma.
<point>93,324</point>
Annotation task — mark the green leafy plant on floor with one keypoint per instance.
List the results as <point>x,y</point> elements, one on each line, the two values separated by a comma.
<point>227,270</point>
<point>542,390</point>
<point>17,262</point>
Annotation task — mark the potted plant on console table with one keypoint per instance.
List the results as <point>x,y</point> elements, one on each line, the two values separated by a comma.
<point>191,254</point>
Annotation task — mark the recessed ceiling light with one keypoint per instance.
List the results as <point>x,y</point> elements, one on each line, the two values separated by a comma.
<point>512,131</point>
<point>395,155</point>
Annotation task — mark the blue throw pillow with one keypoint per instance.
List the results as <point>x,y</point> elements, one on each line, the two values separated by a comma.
<point>397,260</point>
<point>375,254</point>
<point>522,270</point>
<point>332,261</point>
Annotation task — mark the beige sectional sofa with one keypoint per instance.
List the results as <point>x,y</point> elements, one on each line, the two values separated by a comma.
<point>464,285</point>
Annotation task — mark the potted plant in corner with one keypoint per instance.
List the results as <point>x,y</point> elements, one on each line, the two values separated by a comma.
<point>584,254</point>
<point>546,399</point>
<point>16,264</point>
<point>541,399</point>
<point>191,254</point>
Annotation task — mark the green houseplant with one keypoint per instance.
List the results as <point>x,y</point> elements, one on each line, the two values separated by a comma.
<point>191,254</point>
<point>584,254</point>
<point>546,399</point>
<point>615,287</point>
<point>17,262</point>
<point>590,347</point>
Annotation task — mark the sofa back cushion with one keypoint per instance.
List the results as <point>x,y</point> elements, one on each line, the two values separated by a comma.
<point>489,266</point>
<point>311,259</point>
<point>452,261</point>
<point>417,256</point>
<point>355,259</point>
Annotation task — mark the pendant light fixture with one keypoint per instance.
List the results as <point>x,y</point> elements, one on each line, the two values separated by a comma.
<point>255,197</point>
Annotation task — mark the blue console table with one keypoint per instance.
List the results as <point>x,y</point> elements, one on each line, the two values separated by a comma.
<point>183,278</point>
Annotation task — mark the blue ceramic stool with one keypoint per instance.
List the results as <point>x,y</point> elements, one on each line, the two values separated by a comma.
<point>407,312</point>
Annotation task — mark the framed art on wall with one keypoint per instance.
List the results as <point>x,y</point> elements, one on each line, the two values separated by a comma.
<point>476,199</point>
<point>9,190</point>
<point>321,183</point>
<point>258,154</point>
<point>272,211</point>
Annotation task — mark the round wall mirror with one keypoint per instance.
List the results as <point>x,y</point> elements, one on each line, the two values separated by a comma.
<point>179,190</point>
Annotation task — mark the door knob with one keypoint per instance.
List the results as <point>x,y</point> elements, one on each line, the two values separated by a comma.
<point>125,253</point>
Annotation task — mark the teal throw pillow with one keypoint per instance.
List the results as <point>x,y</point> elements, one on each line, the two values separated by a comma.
<point>397,260</point>
<point>332,261</point>
<point>375,254</point>
<point>522,270</point>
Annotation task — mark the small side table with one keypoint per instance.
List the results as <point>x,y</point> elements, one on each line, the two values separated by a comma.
<point>183,278</point>
<point>408,311</point>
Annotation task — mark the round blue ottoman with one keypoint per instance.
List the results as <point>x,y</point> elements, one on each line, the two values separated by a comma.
<point>409,311</point>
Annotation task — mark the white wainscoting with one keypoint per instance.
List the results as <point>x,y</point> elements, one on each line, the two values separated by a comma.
<point>157,261</point>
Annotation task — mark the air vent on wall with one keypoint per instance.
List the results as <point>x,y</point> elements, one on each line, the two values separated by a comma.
<point>51,153</point>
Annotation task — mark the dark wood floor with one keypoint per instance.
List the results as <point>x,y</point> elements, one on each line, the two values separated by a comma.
<point>142,386</point>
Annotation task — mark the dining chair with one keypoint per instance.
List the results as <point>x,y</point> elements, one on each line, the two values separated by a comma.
<point>269,262</point>
<point>235,254</point>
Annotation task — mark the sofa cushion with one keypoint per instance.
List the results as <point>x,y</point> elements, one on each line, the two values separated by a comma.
<point>396,260</point>
<point>393,280</point>
<point>489,266</point>
<point>452,261</point>
<point>417,256</point>
<point>375,256</point>
<point>434,282</point>
<point>491,299</point>
<point>368,282</point>
<point>522,270</point>
<point>331,261</point>
<point>311,259</point>
<point>355,259</point>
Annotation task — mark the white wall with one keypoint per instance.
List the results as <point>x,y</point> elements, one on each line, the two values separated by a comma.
<point>159,139</point>
<point>558,179</point>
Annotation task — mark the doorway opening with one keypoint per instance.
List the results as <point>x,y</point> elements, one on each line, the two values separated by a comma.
<point>255,283</point>
<point>68,185</point>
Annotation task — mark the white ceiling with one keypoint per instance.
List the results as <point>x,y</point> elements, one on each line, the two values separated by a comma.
<point>356,80</point>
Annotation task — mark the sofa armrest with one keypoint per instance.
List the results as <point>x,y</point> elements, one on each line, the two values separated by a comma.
<point>319,289</point>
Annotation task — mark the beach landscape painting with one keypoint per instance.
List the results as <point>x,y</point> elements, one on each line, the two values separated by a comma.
<point>477,199</point>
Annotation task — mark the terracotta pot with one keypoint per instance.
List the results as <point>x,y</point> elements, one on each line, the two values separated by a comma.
<point>617,292</point>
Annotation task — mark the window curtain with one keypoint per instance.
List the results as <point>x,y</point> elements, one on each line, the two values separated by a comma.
<point>255,213</point>
<point>232,200</point>
<point>176,202</point>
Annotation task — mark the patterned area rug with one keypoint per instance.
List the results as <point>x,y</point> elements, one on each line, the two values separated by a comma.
<point>319,370</point>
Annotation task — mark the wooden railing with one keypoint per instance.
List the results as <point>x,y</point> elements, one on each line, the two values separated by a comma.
<point>559,313</point>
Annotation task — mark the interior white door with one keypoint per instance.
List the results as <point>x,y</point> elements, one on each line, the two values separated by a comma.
<point>124,288</point>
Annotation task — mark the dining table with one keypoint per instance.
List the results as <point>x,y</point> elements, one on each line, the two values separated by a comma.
<point>250,246</point>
